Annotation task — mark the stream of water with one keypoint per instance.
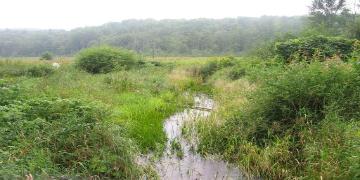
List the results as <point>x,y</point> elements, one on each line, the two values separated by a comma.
<point>191,165</point>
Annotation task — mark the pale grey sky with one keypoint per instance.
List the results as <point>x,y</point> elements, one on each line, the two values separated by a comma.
<point>68,14</point>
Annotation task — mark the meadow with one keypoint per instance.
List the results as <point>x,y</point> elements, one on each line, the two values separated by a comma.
<point>85,124</point>
<point>274,119</point>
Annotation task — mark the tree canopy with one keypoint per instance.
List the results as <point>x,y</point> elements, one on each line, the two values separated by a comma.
<point>165,37</point>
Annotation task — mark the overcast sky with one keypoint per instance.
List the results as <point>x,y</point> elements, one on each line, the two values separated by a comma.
<point>68,14</point>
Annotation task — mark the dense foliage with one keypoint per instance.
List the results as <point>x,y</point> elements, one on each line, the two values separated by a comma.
<point>301,121</point>
<point>42,136</point>
<point>104,59</point>
<point>315,48</point>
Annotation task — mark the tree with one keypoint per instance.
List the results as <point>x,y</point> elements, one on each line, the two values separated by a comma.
<point>328,8</point>
<point>203,37</point>
<point>326,12</point>
<point>353,28</point>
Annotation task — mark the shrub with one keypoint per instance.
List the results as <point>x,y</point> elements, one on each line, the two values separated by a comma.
<point>211,67</point>
<point>236,73</point>
<point>40,71</point>
<point>316,47</point>
<point>104,59</point>
<point>227,62</point>
<point>46,56</point>
<point>306,92</point>
<point>61,136</point>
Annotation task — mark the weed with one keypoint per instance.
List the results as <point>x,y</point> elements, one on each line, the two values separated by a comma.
<point>176,148</point>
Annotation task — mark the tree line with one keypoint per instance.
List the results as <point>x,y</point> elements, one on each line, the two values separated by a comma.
<point>151,37</point>
<point>197,37</point>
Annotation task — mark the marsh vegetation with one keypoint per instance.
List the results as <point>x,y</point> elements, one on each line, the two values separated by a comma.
<point>285,107</point>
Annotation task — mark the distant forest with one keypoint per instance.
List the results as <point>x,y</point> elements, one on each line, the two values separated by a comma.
<point>151,37</point>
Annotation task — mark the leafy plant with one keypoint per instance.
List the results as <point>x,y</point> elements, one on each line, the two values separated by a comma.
<point>40,71</point>
<point>44,136</point>
<point>236,73</point>
<point>209,69</point>
<point>8,92</point>
<point>46,56</point>
<point>314,48</point>
<point>104,59</point>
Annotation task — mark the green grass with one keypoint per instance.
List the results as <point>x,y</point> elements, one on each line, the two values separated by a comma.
<point>276,121</point>
<point>286,122</point>
<point>144,116</point>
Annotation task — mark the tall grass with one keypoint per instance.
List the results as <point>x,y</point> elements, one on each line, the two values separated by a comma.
<point>298,121</point>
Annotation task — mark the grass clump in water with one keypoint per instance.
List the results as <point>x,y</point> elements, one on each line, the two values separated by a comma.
<point>144,116</point>
<point>176,148</point>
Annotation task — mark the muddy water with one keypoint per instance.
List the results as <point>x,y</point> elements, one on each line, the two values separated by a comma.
<point>191,165</point>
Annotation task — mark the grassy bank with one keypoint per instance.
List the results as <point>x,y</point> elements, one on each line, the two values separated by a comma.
<point>286,121</point>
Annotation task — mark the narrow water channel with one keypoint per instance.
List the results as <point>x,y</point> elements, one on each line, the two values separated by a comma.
<point>191,165</point>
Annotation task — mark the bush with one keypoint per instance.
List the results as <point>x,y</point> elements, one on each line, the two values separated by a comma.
<point>227,62</point>
<point>236,73</point>
<point>211,67</point>
<point>104,59</point>
<point>306,92</point>
<point>40,71</point>
<point>314,48</point>
<point>46,56</point>
<point>62,137</point>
